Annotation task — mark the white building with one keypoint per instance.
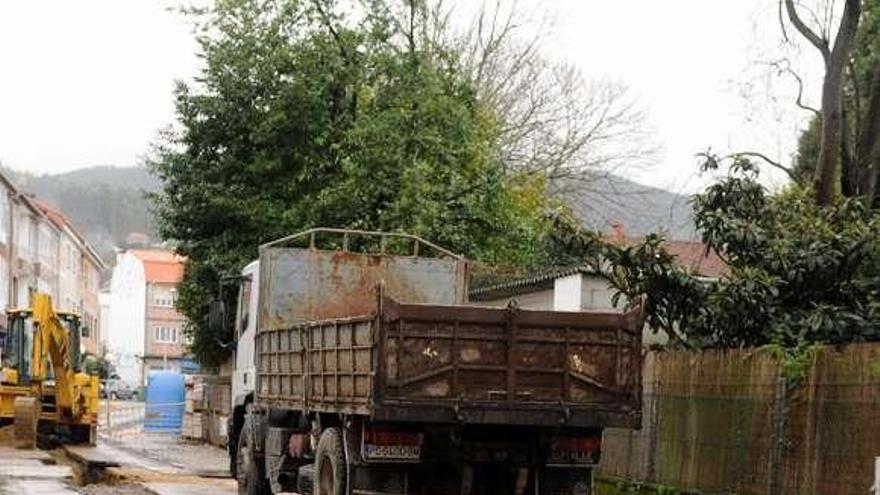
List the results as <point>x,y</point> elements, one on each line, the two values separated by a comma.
<point>104,316</point>
<point>574,289</point>
<point>144,331</point>
<point>581,289</point>
<point>125,333</point>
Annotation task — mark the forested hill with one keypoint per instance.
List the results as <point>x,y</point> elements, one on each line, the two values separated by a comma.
<point>105,203</point>
<point>638,208</point>
<point>108,203</point>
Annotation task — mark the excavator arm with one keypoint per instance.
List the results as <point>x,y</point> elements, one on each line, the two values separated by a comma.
<point>52,340</point>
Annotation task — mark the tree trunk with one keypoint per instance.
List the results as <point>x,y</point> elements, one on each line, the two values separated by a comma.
<point>869,142</point>
<point>849,167</point>
<point>828,162</point>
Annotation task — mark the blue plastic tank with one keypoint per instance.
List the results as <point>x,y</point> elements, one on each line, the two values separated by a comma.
<point>165,402</point>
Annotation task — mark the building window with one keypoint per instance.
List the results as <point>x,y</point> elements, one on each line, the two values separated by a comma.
<point>165,335</point>
<point>163,297</point>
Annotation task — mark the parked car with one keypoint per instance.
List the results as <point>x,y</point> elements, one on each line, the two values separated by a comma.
<point>117,389</point>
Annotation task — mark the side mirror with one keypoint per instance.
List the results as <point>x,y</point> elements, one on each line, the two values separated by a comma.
<point>217,318</point>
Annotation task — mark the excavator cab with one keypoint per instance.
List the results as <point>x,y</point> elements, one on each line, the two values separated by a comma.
<point>42,387</point>
<point>18,348</point>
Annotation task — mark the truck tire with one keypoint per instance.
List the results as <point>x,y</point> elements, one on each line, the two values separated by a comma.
<point>330,468</point>
<point>250,472</point>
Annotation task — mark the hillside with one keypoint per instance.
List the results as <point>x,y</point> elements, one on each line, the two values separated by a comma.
<point>640,209</point>
<point>108,203</point>
<point>105,203</point>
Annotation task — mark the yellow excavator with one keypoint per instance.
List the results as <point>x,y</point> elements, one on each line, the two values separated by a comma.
<point>43,390</point>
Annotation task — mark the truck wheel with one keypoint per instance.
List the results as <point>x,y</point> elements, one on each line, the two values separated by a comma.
<point>330,469</point>
<point>249,470</point>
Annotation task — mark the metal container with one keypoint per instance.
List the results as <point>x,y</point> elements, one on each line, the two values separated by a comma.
<point>306,284</point>
<point>450,364</point>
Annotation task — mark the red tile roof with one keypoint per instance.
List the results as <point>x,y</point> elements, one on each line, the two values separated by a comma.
<point>161,266</point>
<point>691,255</point>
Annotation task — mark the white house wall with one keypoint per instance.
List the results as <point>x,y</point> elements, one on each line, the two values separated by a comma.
<point>567,293</point>
<point>538,300</point>
<point>597,294</point>
<point>125,331</point>
<point>68,275</point>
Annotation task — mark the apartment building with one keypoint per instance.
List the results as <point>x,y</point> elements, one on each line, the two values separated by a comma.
<point>41,250</point>
<point>73,273</point>
<point>145,330</point>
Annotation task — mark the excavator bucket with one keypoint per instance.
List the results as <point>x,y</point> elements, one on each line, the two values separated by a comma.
<point>27,415</point>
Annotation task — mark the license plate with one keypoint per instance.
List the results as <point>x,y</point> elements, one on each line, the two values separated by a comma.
<point>573,457</point>
<point>393,452</point>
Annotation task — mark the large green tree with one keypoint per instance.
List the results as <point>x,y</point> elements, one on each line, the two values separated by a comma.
<point>303,116</point>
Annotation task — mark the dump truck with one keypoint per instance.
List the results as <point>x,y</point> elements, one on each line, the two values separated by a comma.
<point>43,389</point>
<point>361,368</point>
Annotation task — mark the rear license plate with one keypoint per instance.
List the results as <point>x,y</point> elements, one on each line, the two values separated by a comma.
<point>393,452</point>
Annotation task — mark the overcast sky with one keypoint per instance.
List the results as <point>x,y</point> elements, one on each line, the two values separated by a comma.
<point>89,83</point>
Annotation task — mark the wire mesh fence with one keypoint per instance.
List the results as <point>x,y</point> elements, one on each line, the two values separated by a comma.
<point>733,422</point>
<point>119,419</point>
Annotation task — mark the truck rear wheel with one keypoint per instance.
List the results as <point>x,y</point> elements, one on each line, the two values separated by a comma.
<point>330,469</point>
<point>250,472</point>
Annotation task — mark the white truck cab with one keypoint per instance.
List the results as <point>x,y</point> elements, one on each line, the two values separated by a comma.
<point>244,374</point>
<point>243,378</point>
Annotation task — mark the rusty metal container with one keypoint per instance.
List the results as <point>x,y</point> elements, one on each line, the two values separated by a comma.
<point>299,284</point>
<point>389,337</point>
<point>448,364</point>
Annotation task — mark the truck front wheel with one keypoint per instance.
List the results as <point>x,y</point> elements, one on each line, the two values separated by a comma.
<point>330,469</point>
<point>249,470</point>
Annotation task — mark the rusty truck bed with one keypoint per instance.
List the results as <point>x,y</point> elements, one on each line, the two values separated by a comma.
<point>459,364</point>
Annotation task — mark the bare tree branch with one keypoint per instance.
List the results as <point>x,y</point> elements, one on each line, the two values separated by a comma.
<point>783,66</point>
<point>553,122</point>
<point>768,161</point>
<point>819,42</point>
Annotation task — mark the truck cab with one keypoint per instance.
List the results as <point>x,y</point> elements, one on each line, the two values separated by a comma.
<point>245,329</point>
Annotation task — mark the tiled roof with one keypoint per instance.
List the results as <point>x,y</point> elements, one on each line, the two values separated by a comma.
<point>694,256</point>
<point>160,266</point>
<point>691,255</point>
<point>525,284</point>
